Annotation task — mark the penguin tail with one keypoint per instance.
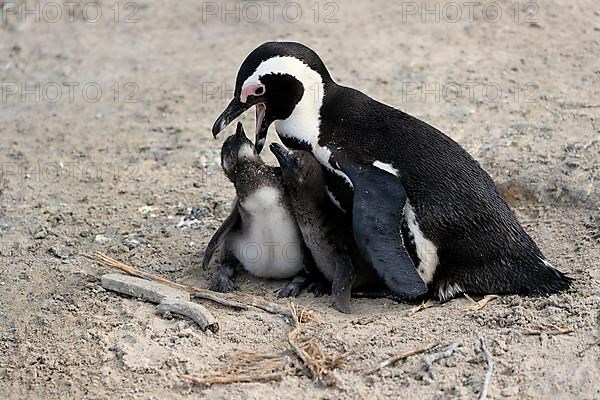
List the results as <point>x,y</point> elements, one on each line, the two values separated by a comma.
<point>528,274</point>
<point>533,275</point>
<point>547,279</point>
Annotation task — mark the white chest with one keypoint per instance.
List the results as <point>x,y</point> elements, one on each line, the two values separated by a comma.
<point>269,245</point>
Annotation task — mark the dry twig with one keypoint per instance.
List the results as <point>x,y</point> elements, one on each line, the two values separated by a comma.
<point>400,356</point>
<point>240,302</point>
<point>423,306</point>
<point>550,330</point>
<point>316,368</point>
<point>444,353</point>
<point>216,379</point>
<point>245,362</point>
<point>478,305</point>
<point>245,367</point>
<point>319,364</point>
<point>489,368</point>
<point>257,367</point>
<point>194,311</point>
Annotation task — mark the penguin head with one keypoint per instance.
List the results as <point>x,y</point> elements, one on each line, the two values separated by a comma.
<point>235,150</point>
<point>275,78</point>
<point>300,170</point>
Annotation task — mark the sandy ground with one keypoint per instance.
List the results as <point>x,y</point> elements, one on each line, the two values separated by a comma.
<point>115,172</point>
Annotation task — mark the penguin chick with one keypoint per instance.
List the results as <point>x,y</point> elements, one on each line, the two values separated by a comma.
<point>326,230</point>
<point>260,233</point>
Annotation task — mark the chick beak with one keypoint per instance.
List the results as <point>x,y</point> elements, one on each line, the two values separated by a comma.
<point>282,154</point>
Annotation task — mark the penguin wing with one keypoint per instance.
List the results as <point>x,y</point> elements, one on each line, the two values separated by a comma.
<point>217,240</point>
<point>377,213</point>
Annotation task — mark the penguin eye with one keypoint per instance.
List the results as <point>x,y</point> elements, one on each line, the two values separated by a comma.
<point>259,91</point>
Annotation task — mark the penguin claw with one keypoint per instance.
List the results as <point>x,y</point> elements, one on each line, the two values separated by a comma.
<point>292,289</point>
<point>478,305</point>
<point>222,285</point>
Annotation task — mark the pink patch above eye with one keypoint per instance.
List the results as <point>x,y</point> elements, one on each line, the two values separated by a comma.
<point>250,90</point>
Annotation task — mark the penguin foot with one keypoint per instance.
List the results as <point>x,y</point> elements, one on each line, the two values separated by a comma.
<point>292,289</point>
<point>222,284</point>
<point>342,303</point>
<point>478,305</point>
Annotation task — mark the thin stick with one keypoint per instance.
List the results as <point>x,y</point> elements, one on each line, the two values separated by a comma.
<point>317,370</point>
<point>400,356</point>
<point>444,353</point>
<point>265,305</point>
<point>489,368</point>
<point>225,379</point>
<point>423,306</point>
<point>554,330</point>
<point>241,302</point>
<point>211,296</point>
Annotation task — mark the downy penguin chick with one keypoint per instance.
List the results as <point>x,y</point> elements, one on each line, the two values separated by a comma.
<point>260,233</point>
<point>327,231</point>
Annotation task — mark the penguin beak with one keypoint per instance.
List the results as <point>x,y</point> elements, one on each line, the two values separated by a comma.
<point>240,134</point>
<point>262,127</point>
<point>283,156</point>
<point>237,108</point>
<point>233,110</point>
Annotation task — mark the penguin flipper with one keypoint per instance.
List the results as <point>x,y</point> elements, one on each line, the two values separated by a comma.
<point>343,280</point>
<point>219,236</point>
<point>377,213</point>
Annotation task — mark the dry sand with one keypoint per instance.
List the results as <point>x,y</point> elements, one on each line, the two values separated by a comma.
<point>116,176</point>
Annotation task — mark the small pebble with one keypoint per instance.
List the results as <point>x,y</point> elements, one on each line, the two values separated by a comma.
<point>41,234</point>
<point>101,239</point>
<point>510,391</point>
<point>142,288</point>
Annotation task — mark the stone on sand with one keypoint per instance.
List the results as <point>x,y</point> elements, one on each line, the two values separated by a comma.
<point>142,288</point>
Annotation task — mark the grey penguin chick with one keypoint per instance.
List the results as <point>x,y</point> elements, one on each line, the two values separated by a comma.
<point>261,233</point>
<point>327,231</point>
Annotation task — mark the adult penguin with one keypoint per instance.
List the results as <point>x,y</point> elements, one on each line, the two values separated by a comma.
<point>391,169</point>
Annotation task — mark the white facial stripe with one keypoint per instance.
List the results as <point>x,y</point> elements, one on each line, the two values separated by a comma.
<point>385,167</point>
<point>284,65</point>
<point>303,124</point>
